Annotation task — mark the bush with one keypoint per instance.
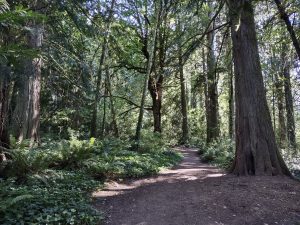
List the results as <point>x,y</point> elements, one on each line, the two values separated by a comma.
<point>50,184</point>
<point>220,152</point>
<point>56,197</point>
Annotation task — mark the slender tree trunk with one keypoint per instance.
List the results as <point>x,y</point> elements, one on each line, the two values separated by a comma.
<point>150,49</point>
<point>100,71</point>
<point>155,89</point>
<point>112,107</point>
<point>285,17</point>
<point>103,125</point>
<point>289,107</point>
<point>256,149</point>
<point>279,89</point>
<point>185,128</point>
<point>230,101</point>
<point>26,116</point>
<point>212,94</point>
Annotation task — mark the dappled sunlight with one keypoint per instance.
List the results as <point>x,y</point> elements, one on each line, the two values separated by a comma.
<point>190,169</point>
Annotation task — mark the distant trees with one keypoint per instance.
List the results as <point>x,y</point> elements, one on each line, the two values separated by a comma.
<point>119,68</point>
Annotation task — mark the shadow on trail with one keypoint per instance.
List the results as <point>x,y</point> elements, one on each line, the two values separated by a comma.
<point>197,193</point>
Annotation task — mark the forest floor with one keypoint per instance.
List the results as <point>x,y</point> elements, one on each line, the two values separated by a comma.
<point>194,193</point>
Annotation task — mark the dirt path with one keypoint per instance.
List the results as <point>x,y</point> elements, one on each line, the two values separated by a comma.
<point>194,193</point>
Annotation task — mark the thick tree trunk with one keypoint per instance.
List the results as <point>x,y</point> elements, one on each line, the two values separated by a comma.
<point>212,94</point>
<point>100,70</point>
<point>256,149</point>
<point>4,105</point>
<point>284,16</point>
<point>26,116</point>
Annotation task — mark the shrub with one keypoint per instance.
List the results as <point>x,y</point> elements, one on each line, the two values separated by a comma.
<point>57,177</point>
<point>220,152</point>
<point>57,197</point>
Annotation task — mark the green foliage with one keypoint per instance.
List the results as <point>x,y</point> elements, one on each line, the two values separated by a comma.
<point>55,197</point>
<point>130,164</point>
<point>220,152</point>
<point>50,184</point>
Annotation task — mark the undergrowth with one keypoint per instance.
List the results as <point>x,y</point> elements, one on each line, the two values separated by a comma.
<point>220,152</point>
<point>51,184</point>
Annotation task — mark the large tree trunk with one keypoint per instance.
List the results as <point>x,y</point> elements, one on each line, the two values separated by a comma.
<point>26,116</point>
<point>212,94</point>
<point>256,149</point>
<point>4,105</point>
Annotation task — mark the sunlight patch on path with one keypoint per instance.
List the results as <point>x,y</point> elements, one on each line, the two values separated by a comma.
<point>190,169</point>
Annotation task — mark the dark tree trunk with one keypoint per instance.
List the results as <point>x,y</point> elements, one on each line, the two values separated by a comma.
<point>155,89</point>
<point>114,123</point>
<point>4,105</point>
<point>289,107</point>
<point>256,149</point>
<point>185,128</point>
<point>212,93</point>
<point>26,116</point>
<point>151,51</point>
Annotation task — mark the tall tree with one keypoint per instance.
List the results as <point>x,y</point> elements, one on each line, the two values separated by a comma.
<point>101,68</point>
<point>26,116</point>
<point>290,119</point>
<point>183,99</point>
<point>150,49</point>
<point>212,85</point>
<point>256,149</point>
<point>279,90</point>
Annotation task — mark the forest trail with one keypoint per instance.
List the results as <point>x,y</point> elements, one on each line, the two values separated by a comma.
<point>194,193</point>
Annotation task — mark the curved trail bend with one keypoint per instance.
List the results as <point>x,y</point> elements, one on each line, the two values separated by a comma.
<point>194,193</point>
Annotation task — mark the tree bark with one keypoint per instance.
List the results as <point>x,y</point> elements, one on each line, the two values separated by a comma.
<point>150,50</point>
<point>256,149</point>
<point>289,107</point>
<point>4,105</point>
<point>114,123</point>
<point>155,89</point>
<point>279,89</point>
<point>100,70</point>
<point>285,17</point>
<point>212,93</point>
<point>26,116</point>
<point>230,101</point>
<point>185,127</point>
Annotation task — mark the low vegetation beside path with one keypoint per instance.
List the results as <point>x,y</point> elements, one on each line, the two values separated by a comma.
<point>52,184</point>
